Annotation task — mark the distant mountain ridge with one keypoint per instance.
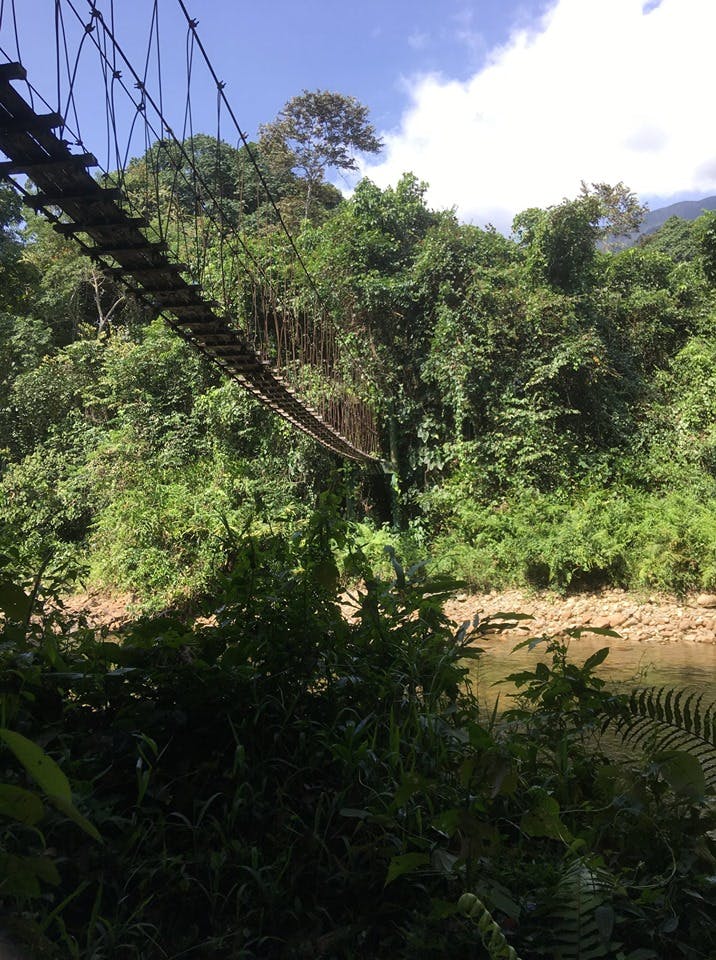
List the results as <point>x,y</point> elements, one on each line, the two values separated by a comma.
<point>686,209</point>
<point>655,219</point>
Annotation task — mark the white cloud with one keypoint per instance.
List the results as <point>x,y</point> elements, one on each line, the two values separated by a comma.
<point>599,90</point>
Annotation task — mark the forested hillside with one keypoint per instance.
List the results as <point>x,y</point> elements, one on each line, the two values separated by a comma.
<point>548,406</point>
<point>286,753</point>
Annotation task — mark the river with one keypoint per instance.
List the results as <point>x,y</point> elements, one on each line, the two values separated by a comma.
<point>663,641</point>
<point>681,665</point>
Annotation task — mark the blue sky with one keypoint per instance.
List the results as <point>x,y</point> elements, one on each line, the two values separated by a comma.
<point>498,104</point>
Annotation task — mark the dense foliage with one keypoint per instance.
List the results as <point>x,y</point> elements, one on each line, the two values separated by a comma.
<point>276,780</point>
<point>540,383</point>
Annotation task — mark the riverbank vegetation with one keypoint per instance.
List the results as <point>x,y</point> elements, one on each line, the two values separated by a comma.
<point>245,772</point>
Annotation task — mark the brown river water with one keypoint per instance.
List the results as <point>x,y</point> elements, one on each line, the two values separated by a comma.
<point>663,641</point>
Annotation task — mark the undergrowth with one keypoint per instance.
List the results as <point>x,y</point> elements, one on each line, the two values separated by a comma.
<point>278,781</point>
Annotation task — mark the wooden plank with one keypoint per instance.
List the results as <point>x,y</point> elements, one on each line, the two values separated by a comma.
<point>109,250</point>
<point>100,195</point>
<point>219,340</point>
<point>186,289</point>
<point>149,270</point>
<point>198,325</point>
<point>9,168</point>
<point>186,309</point>
<point>42,121</point>
<point>70,229</point>
<point>12,71</point>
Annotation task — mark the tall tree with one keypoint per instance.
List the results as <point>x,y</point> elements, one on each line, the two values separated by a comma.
<point>621,214</point>
<point>318,130</point>
<point>560,242</point>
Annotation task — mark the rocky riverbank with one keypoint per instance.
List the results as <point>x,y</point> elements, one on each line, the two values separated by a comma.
<point>641,619</point>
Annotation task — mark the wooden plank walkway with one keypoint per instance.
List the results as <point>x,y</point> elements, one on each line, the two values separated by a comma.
<point>120,247</point>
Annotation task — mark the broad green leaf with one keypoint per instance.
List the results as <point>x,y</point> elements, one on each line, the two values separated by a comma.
<point>48,776</point>
<point>17,877</point>
<point>45,869</point>
<point>504,779</point>
<point>447,821</point>
<point>500,897</point>
<point>405,863</point>
<point>524,676</point>
<point>471,653</point>
<point>353,814</point>
<point>604,917</point>
<point>411,784</point>
<point>442,909</point>
<point>14,602</point>
<point>73,814</point>
<point>530,642</point>
<point>43,769</point>
<point>467,768</point>
<point>325,574</point>
<point>444,862</point>
<point>596,658</point>
<point>20,876</point>
<point>683,772</point>
<point>21,805</point>
<point>542,671</point>
<point>544,821</point>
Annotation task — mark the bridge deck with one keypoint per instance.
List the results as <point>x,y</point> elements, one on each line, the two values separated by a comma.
<point>120,247</point>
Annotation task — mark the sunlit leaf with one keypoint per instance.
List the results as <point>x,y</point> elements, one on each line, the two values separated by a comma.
<point>21,805</point>
<point>543,820</point>
<point>43,769</point>
<point>596,658</point>
<point>405,863</point>
<point>48,776</point>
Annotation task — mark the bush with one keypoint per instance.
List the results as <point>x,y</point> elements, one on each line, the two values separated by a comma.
<point>617,536</point>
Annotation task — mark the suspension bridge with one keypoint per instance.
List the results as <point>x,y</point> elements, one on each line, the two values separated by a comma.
<point>166,215</point>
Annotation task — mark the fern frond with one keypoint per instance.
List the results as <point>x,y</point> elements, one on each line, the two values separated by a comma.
<point>661,719</point>
<point>491,935</point>
<point>582,893</point>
